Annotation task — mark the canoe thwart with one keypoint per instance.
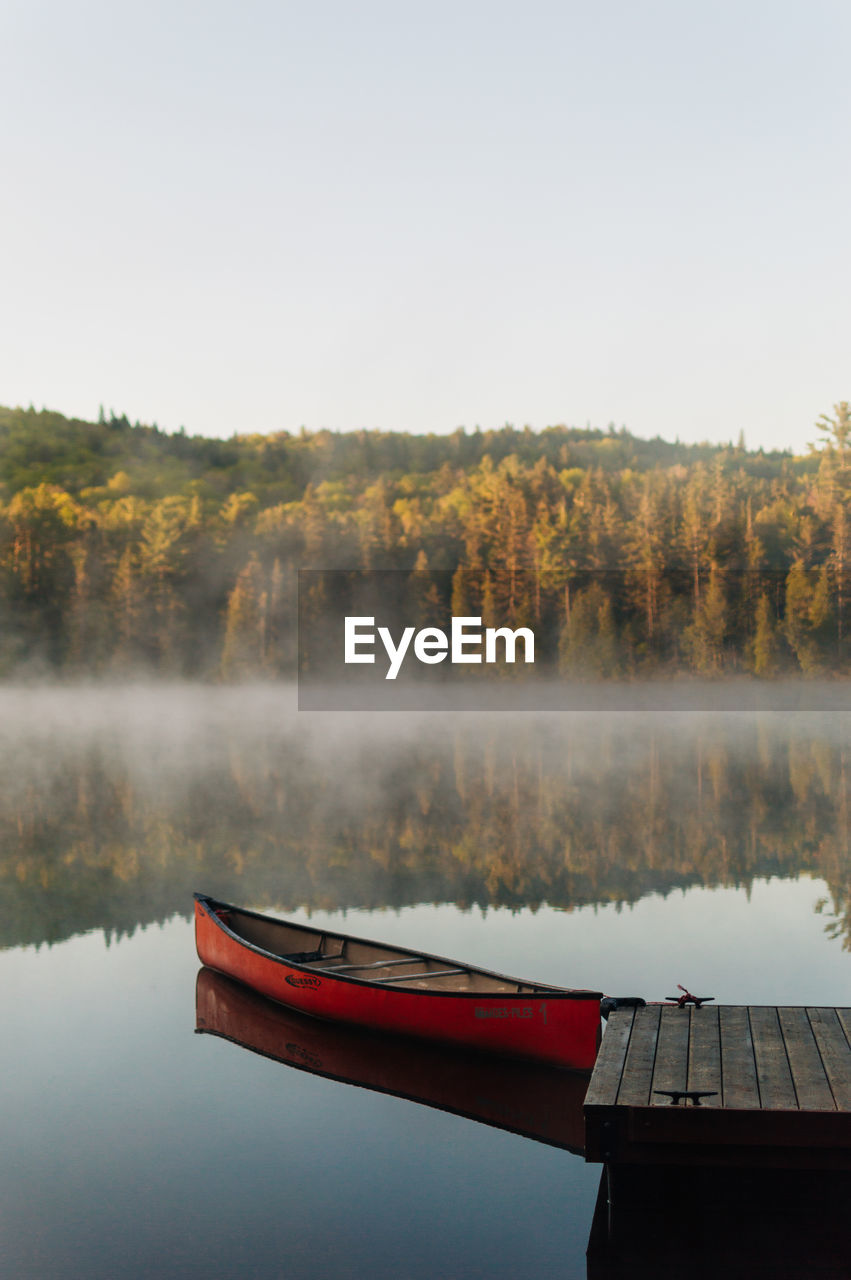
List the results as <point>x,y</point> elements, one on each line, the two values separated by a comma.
<point>424,973</point>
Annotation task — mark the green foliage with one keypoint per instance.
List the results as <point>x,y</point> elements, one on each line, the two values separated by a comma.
<point>704,637</point>
<point>123,545</point>
<point>765,643</point>
<point>588,645</point>
<point>244,650</point>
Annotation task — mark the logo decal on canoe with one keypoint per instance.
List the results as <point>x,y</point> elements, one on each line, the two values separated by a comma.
<point>511,1011</point>
<point>296,980</point>
<point>515,1011</point>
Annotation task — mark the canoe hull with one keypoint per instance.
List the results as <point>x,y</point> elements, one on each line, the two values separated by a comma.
<point>557,1026</point>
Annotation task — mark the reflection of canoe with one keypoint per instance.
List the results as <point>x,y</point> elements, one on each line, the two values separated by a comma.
<point>331,975</point>
<point>530,1098</point>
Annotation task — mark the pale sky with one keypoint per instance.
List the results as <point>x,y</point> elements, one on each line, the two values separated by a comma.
<point>416,216</point>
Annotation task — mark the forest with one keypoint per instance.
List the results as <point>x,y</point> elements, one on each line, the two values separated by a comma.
<point>125,548</point>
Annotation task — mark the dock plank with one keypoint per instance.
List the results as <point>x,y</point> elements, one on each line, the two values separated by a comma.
<point>844,1016</point>
<point>808,1073</point>
<point>670,1070</point>
<point>605,1082</point>
<point>740,1090</point>
<point>776,1090</point>
<point>835,1054</point>
<point>640,1059</point>
<point>704,1054</point>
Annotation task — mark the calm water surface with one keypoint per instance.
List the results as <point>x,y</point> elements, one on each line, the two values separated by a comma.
<point>624,852</point>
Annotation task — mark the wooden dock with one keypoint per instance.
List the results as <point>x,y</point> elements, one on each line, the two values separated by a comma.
<point>774,1086</point>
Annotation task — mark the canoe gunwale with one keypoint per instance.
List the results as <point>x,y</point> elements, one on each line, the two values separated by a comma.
<point>539,989</point>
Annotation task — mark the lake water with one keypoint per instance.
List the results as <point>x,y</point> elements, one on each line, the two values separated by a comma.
<point>627,852</point>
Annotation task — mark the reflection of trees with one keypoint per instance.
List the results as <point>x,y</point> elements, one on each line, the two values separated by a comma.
<point>568,811</point>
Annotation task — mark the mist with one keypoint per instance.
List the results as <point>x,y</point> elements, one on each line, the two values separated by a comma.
<point>117,801</point>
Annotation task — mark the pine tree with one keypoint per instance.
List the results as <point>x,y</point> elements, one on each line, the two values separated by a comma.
<point>704,638</point>
<point>126,602</point>
<point>244,650</point>
<point>798,621</point>
<point>588,643</point>
<point>765,647</point>
<point>424,595</point>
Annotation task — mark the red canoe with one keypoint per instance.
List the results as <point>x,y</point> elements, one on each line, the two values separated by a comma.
<point>333,976</point>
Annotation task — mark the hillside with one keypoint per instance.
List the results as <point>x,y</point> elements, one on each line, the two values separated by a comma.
<point>124,547</point>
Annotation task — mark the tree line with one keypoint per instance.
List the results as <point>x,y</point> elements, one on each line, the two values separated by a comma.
<point>126,548</point>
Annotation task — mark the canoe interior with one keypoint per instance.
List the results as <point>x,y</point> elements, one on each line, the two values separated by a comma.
<point>368,961</point>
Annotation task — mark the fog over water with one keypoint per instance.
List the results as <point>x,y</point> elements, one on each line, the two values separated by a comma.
<point>622,850</point>
<point>117,801</point>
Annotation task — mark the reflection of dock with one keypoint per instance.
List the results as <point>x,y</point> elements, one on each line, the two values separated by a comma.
<point>532,1099</point>
<point>747,1172</point>
<point>667,1223</point>
<point>774,1086</point>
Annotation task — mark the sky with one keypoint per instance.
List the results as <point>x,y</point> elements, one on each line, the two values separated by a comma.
<point>418,216</point>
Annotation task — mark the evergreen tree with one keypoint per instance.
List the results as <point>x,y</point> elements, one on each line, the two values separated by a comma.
<point>798,621</point>
<point>704,638</point>
<point>244,650</point>
<point>588,644</point>
<point>765,646</point>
